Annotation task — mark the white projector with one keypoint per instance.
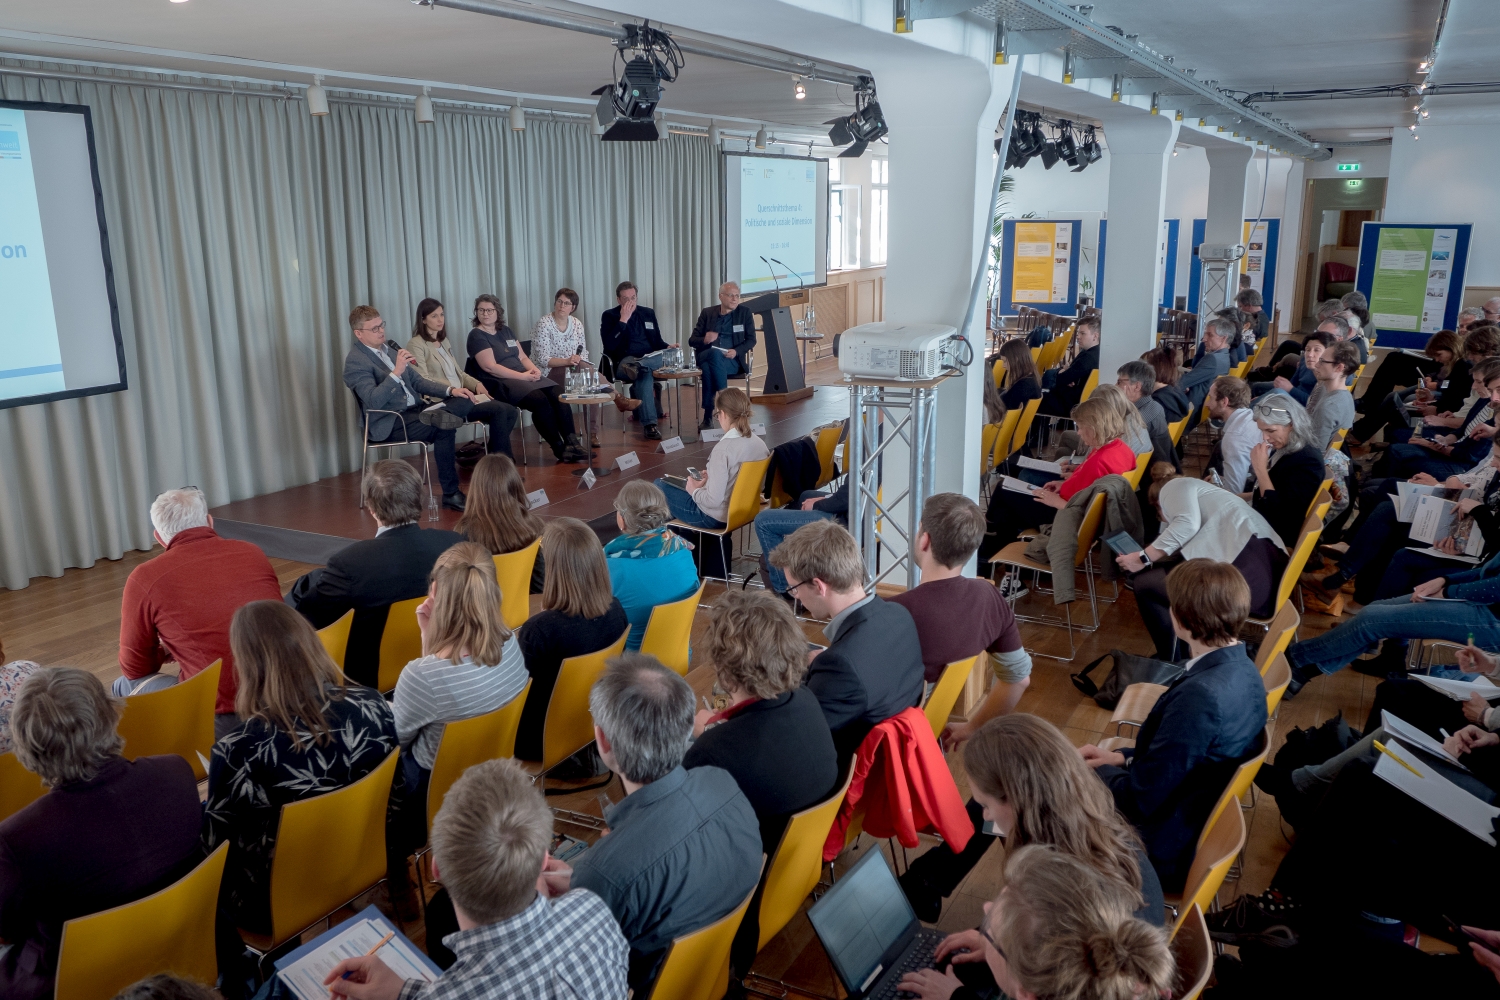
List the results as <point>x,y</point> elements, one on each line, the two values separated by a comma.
<point>1221,253</point>
<point>902,351</point>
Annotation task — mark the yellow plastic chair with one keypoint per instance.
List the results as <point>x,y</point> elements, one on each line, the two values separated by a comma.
<point>998,372</point>
<point>1001,448</point>
<point>1240,783</point>
<point>697,964</point>
<point>1194,951</point>
<point>797,864</point>
<point>1312,529</point>
<point>167,931</point>
<point>176,720</point>
<point>1089,385</point>
<point>1276,679</point>
<point>473,741</point>
<point>1036,358</point>
<point>1215,856</point>
<point>1336,442</point>
<point>400,643</point>
<point>828,440</point>
<point>988,435</point>
<point>744,504</point>
<point>569,726</point>
<point>1134,476</point>
<point>1023,427</point>
<point>513,573</point>
<point>19,788</point>
<point>335,637</point>
<point>670,630</point>
<point>945,695</point>
<point>1178,429</point>
<point>1014,555</point>
<point>346,825</point>
<point>1278,636</point>
<point>1325,492</point>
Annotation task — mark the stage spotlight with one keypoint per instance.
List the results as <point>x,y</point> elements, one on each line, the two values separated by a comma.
<point>1049,155</point>
<point>424,108</point>
<point>517,117</point>
<point>713,133</point>
<point>864,126</point>
<point>317,98</point>
<point>629,104</point>
<point>1089,151</point>
<point>799,91</point>
<point>760,138</point>
<point>1067,146</point>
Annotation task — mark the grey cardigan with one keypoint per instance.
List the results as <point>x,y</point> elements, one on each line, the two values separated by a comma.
<point>732,451</point>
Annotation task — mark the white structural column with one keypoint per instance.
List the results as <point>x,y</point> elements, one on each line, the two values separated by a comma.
<point>1139,150</point>
<point>1228,170</point>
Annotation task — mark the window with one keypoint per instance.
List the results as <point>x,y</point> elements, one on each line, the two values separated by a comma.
<point>843,226</point>
<point>880,199</point>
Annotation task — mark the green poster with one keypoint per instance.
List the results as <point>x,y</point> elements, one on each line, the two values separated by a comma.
<point>1398,294</point>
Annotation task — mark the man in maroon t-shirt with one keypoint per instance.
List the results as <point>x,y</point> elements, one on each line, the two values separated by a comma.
<point>958,617</point>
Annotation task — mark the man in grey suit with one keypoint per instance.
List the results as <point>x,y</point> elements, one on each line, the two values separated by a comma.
<point>383,377</point>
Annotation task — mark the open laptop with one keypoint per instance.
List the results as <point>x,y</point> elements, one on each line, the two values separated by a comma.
<point>870,932</point>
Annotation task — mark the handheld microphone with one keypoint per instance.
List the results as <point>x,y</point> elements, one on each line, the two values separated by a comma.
<point>394,347</point>
<point>773,273</point>
<point>792,271</point>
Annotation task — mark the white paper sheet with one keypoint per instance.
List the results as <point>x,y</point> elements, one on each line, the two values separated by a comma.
<point>1438,793</point>
<point>1411,734</point>
<point>1018,485</point>
<point>1036,463</point>
<point>1460,690</point>
<point>305,977</point>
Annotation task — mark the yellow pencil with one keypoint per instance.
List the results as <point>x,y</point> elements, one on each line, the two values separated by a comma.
<point>1382,748</point>
<point>386,940</point>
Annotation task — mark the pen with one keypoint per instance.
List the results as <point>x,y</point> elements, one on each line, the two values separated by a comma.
<point>1445,733</point>
<point>383,942</point>
<point>1382,748</point>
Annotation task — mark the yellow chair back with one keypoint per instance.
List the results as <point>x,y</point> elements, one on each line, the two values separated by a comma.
<point>697,964</point>
<point>347,824</point>
<point>1325,492</point>
<point>178,719</point>
<point>1239,783</point>
<point>999,372</point>
<point>828,440</point>
<point>1194,951</point>
<point>569,726</point>
<point>1036,358</point>
<point>1278,636</point>
<point>513,573</point>
<point>1089,385</point>
<point>669,631</point>
<point>1133,477</point>
<point>167,931</point>
<point>744,499</point>
<point>779,497</point>
<point>335,638</point>
<point>400,643</point>
<point>1001,448</point>
<point>1178,429</point>
<point>473,741</point>
<point>1023,427</point>
<point>1337,441</point>
<point>797,864</point>
<point>1214,857</point>
<point>1276,680</point>
<point>19,788</point>
<point>940,703</point>
<point>1312,528</point>
<point>1089,529</point>
<point>988,435</point>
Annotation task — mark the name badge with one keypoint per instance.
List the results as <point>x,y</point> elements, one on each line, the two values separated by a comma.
<point>1444,385</point>
<point>651,326</point>
<point>759,429</point>
<point>738,328</point>
<point>672,444</point>
<point>537,499</point>
<point>629,460</point>
<point>713,434</point>
<point>510,343</point>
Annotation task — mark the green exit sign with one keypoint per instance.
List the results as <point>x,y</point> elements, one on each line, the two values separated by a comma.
<point>1348,168</point>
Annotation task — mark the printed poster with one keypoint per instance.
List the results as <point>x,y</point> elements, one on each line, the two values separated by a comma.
<point>1257,237</point>
<point>1413,270</point>
<point>1042,261</point>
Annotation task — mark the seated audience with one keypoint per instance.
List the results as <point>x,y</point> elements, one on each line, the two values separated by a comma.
<point>1467,415</point>
<point>1240,343</point>
<point>1330,406</point>
<point>1399,368</point>
<point>515,935</point>
<point>1059,930</point>
<point>13,674</point>
<point>1287,466</point>
<point>1357,312</point>
<point>1031,784</point>
<point>1202,521</point>
<point>371,575</point>
<point>628,333</point>
<point>772,526</point>
<point>1295,376</point>
<point>720,340</point>
<point>661,886</point>
<point>108,831</point>
<point>1064,389</point>
<point>306,731</point>
<point>508,374</point>
<point>705,502</point>
<point>499,516</point>
<point>648,564</point>
<point>167,614</point>
<point>1199,729</point>
<point>386,379</point>
<point>1229,403</point>
<point>434,361</point>
<point>557,339</point>
<point>1217,333</point>
<point>1251,304</point>
<point>1174,403</point>
<point>1136,379</point>
<point>1137,436</point>
<point>994,406</point>
<point>1011,512</point>
<point>1022,383</point>
<point>579,616</point>
<point>872,668</point>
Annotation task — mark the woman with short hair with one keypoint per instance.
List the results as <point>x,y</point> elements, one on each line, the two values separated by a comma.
<point>1287,465</point>
<point>498,516</point>
<point>108,831</point>
<point>306,731</point>
<point>705,502</point>
<point>557,338</point>
<point>497,360</point>
<point>648,564</point>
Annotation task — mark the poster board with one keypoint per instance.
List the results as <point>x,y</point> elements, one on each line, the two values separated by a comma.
<point>1039,266</point>
<point>1413,276</point>
<point>1261,250</point>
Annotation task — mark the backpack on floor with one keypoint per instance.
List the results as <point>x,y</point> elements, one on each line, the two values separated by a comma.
<point>1128,669</point>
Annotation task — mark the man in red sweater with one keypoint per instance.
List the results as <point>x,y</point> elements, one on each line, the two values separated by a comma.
<point>178,606</point>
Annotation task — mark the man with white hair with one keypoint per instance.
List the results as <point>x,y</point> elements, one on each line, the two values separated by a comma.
<point>720,340</point>
<point>1491,309</point>
<point>177,607</point>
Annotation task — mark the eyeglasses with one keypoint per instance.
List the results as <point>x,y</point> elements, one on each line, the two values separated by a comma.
<point>984,932</point>
<point>792,588</point>
<point>376,328</point>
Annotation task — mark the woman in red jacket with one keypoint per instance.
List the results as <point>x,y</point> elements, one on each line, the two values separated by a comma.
<point>1011,512</point>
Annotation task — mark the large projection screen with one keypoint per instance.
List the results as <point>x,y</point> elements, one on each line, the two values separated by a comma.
<point>775,222</point>
<point>59,324</point>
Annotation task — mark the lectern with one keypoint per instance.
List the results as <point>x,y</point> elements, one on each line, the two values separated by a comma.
<point>779,339</point>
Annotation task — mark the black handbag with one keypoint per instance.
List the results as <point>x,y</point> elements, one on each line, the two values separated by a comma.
<point>1128,669</point>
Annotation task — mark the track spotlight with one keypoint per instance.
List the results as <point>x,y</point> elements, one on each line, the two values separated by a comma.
<point>662,129</point>
<point>424,108</point>
<point>517,117</point>
<point>317,98</point>
<point>1089,151</point>
<point>799,91</point>
<point>1066,145</point>
<point>627,106</point>
<point>1049,155</point>
<point>713,133</point>
<point>760,138</point>
<point>1179,116</point>
<point>864,126</point>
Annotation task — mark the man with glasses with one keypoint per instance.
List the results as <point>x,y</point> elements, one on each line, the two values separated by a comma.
<point>719,341</point>
<point>628,333</point>
<point>384,377</point>
<point>1331,405</point>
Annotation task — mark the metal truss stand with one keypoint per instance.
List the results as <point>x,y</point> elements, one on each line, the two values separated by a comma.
<point>882,411</point>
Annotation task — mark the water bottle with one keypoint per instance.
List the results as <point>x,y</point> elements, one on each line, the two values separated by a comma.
<point>432,507</point>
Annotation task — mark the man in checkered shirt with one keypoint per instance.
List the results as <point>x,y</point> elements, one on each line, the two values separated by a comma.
<point>516,939</point>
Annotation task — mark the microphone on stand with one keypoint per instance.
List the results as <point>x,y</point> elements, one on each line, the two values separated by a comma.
<point>791,270</point>
<point>773,273</point>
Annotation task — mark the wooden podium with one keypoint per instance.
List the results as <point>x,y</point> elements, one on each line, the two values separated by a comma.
<point>784,381</point>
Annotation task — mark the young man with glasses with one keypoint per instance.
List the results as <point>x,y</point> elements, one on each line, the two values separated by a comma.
<point>1330,405</point>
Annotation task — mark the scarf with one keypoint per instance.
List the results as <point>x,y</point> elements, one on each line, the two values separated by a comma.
<point>652,544</point>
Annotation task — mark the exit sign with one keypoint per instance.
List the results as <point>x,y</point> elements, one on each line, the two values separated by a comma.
<point>1348,168</point>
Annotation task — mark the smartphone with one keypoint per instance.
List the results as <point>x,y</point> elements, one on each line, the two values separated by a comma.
<point>693,473</point>
<point>1216,479</point>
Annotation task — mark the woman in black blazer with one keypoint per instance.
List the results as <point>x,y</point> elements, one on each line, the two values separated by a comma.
<point>1288,466</point>
<point>1022,383</point>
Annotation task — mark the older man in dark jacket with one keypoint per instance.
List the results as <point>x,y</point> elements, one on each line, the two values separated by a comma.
<point>721,339</point>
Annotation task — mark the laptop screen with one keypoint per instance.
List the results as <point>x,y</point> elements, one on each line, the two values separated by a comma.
<point>861,919</point>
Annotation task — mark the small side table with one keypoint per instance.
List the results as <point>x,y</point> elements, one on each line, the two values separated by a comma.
<point>677,376</point>
<point>590,401</point>
<point>802,341</point>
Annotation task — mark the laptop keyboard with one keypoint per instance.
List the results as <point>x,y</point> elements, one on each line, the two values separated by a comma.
<point>918,956</point>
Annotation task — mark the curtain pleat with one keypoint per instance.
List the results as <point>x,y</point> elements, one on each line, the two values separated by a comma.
<point>242,231</point>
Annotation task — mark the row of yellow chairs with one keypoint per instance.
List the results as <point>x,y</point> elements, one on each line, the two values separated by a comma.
<point>998,442</point>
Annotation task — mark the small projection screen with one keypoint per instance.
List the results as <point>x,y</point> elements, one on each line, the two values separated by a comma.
<point>775,222</point>
<point>59,324</point>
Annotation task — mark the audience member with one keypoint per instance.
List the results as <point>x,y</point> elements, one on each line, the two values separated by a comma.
<point>1250,302</point>
<point>498,362</point>
<point>1137,379</point>
<point>305,732</point>
<point>514,934</point>
<point>1174,403</point>
<point>1229,403</point>
<point>705,501</point>
<point>166,987</point>
<point>994,406</point>
<point>1287,466</point>
<point>1357,312</point>
<point>872,668</point>
<point>369,576</point>
<point>1217,333</point>
<point>1240,343</point>
<point>1136,434</point>
<point>433,359</point>
<point>1202,521</point>
<point>720,341</point>
<point>13,674</point>
<point>1467,316</point>
<point>772,526</point>
<point>167,614</point>
<point>108,831</point>
<point>1330,406</point>
<point>1463,409</point>
<point>1199,730</point>
<point>628,333</point>
<point>1030,783</point>
<point>683,848</point>
<point>648,564</point>
<point>1401,368</point>
<point>1022,384</point>
<point>579,616</point>
<point>499,516</point>
<point>1065,388</point>
<point>557,339</point>
<point>1296,375</point>
<point>386,379</point>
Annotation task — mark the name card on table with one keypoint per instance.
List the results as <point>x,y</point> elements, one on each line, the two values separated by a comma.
<point>672,444</point>
<point>712,434</point>
<point>758,429</point>
<point>537,499</point>
<point>588,479</point>
<point>629,460</point>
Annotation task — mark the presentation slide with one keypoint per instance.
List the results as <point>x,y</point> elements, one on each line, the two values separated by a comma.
<point>775,222</point>
<point>60,336</point>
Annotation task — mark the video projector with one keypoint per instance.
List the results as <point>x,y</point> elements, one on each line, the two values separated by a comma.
<point>901,351</point>
<point>1221,253</point>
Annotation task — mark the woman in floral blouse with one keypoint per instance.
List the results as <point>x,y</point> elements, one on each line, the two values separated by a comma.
<point>304,733</point>
<point>557,338</point>
<point>11,676</point>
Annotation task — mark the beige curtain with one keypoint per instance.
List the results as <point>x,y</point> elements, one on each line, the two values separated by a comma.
<point>243,230</point>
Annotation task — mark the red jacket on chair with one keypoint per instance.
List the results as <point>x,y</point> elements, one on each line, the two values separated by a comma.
<point>901,786</point>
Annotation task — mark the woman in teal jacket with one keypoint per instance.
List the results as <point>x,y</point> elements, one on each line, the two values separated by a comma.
<point>648,564</point>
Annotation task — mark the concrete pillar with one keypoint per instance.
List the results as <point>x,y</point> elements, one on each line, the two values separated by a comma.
<point>1228,168</point>
<point>1139,150</point>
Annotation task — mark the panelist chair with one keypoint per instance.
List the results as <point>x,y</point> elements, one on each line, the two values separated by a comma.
<point>404,442</point>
